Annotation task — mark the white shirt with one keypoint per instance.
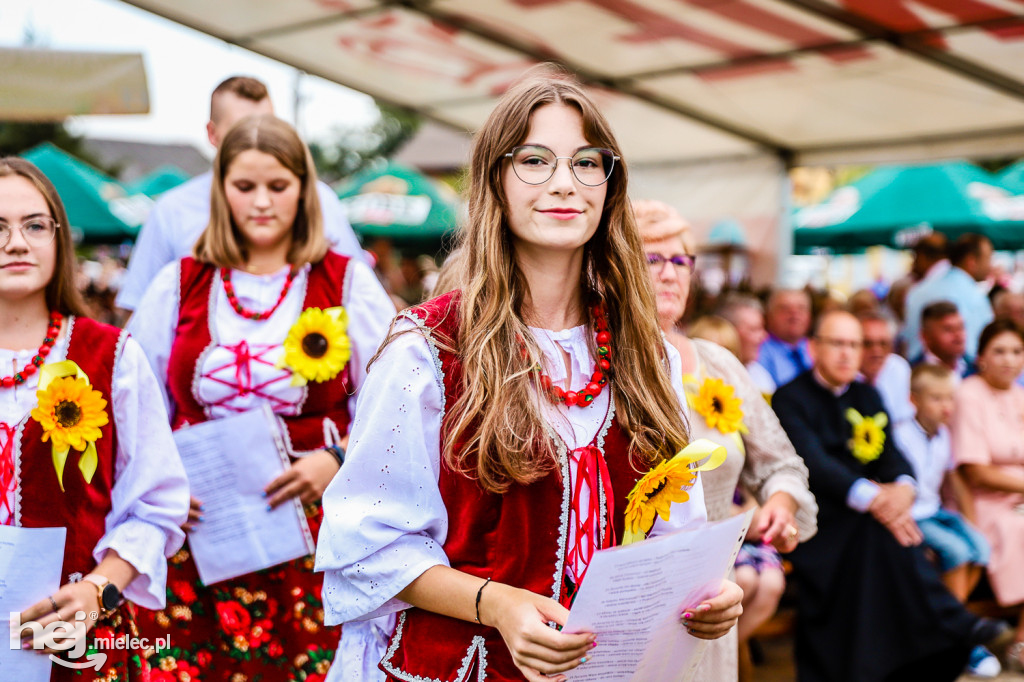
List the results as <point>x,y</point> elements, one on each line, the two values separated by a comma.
<point>761,378</point>
<point>893,384</point>
<point>385,522</point>
<point>931,457</point>
<point>149,499</point>
<point>180,216</point>
<point>154,325</point>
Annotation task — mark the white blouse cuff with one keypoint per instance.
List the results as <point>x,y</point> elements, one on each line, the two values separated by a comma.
<point>142,545</point>
<point>343,602</point>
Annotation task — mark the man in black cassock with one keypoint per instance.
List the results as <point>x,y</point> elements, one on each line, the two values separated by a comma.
<point>871,607</point>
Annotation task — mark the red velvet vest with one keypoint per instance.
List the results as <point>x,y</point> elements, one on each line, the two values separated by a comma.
<point>518,538</point>
<point>82,507</point>
<point>324,411</point>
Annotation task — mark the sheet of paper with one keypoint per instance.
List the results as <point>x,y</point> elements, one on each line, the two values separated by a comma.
<point>30,563</point>
<point>633,598</point>
<point>229,462</point>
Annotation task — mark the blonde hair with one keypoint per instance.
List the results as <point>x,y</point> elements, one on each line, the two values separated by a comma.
<point>927,374</point>
<point>221,243</point>
<point>61,293</point>
<point>717,330</point>
<point>496,432</point>
<point>656,220</point>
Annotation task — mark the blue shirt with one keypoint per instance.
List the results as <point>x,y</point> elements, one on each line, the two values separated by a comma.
<point>181,215</point>
<point>784,361</point>
<point>953,285</point>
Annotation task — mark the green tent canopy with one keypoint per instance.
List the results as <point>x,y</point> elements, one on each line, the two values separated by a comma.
<point>159,180</point>
<point>1012,177</point>
<point>399,203</point>
<point>99,209</point>
<point>894,205</point>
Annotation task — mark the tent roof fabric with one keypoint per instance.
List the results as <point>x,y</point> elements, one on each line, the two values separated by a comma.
<point>680,80</point>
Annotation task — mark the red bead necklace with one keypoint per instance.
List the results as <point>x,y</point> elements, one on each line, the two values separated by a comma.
<point>598,379</point>
<point>40,357</point>
<point>229,289</point>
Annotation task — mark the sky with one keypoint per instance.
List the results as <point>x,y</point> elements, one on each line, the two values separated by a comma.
<point>182,66</point>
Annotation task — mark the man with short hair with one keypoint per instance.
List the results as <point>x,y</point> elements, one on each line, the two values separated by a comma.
<point>970,259</point>
<point>784,353</point>
<point>944,340</point>
<point>884,369</point>
<point>181,214</point>
<point>871,605</point>
<point>747,315</point>
<point>1009,305</point>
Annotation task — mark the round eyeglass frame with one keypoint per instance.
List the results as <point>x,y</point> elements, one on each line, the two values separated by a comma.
<point>28,240</point>
<point>656,261</point>
<point>612,155</point>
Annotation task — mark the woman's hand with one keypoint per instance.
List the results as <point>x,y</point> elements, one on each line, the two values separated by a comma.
<point>306,479</point>
<point>713,618</point>
<point>195,511</point>
<point>72,599</point>
<point>539,651</point>
<point>776,522</point>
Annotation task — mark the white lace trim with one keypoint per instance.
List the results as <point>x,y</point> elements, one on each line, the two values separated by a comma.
<point>477,650</point>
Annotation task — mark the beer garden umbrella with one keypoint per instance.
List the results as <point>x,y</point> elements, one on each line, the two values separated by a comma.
<point>1012,177</point>
<point>895,205</point>
<point>159,180</point>
<point>99,209</point>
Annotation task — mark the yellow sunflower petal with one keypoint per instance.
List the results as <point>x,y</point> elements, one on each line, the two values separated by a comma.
<point>317,347</point>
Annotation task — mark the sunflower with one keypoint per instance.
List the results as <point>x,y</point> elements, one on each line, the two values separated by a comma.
<point>868,439</point>
<point>71,413</point>
<point>317,347</point>
<point>717,403</point>
<point>666,483</point>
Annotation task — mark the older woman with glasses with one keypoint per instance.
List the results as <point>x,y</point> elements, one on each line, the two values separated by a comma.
<point>501,430</point>
<point>724,406</point>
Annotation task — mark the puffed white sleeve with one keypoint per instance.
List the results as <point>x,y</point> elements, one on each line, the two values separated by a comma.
<point>370,312</point>
<point>150,497</point>
<point>384,519</point>
<point>154,323</point>
<point>692,513</point>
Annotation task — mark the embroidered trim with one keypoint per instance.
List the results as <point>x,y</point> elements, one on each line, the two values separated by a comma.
<point>287,438</point>
<point>17,436</point>
<point>599,442</point>
<point>434,352</point>
<point>477,649</point>
<point>562,452</point>
<point>332,435</point>
<point>216,284</point>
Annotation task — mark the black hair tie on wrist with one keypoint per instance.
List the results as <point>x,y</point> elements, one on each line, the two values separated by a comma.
<point>337,451</point>
<point>478,594</point>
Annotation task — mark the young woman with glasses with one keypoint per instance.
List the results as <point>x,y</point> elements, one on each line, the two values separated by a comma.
<point>84,441</point>
<point>504,423</point>
<point>724,406</point>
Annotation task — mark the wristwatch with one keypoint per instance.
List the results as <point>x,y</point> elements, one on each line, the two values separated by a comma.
<point>110,596</point>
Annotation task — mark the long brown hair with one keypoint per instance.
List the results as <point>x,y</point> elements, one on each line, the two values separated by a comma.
<point>496,432</point>
<point>61,293</point>
<point>221,243</point>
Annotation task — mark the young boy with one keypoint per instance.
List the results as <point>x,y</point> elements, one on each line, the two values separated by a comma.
<point>961,550</point>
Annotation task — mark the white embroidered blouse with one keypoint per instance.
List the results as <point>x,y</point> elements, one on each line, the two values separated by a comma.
<point>150,494</point>
<point>385,522</point>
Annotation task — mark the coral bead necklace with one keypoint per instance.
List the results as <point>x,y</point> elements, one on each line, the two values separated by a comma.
<point>40,357</point>
<point>598,379</point>
<point>229,289</point>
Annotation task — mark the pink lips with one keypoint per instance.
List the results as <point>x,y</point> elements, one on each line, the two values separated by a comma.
<point>262,219</point>
<point>562,213</point>
<point>17,265</point>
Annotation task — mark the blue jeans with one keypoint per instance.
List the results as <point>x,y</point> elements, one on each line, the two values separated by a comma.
<point>953,540</point>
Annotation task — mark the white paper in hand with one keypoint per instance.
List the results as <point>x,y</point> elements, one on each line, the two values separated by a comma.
<point>634,596</point>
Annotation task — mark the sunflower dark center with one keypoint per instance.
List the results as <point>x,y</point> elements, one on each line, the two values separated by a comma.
<point>314,345</point>
<point>658,489</point>
<point>68,413</point>
<point>716,404</point>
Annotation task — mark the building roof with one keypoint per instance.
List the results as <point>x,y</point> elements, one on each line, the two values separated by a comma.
<point>136,159</point>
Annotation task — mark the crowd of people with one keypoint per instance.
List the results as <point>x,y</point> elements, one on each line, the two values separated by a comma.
<point>458,465</point>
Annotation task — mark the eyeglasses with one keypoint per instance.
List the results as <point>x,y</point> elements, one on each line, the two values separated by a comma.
<point>878,343</point>
<point>535,164</point>
<point>682,260</point>
<point>840,344</point>
<point>36,231</point>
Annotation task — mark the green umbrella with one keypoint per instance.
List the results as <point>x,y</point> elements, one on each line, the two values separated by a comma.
<point>894,205</point>
<point>399,203</point>
<point>1012,177</point>
<point>159,181</point>
<point>99,209</point>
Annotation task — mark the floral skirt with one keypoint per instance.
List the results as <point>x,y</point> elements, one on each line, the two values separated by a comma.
<point>112,638</point>
<point>266,626</point>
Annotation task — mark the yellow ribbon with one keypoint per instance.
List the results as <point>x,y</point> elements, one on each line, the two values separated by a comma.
<point>89,460</point>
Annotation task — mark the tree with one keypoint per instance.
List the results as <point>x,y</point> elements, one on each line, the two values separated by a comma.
<point>355,147</point>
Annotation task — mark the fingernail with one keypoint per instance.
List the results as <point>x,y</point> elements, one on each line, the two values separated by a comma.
<point>767,539</point>
<point>583,660</point>
<point>263,493</point>
<point>687,615</point>
<point>269,508</point>
<point>201,518</point>
<point>593,645</point>
<point>26,644</point>
<point>202,507</point>
<point>704,607</point>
